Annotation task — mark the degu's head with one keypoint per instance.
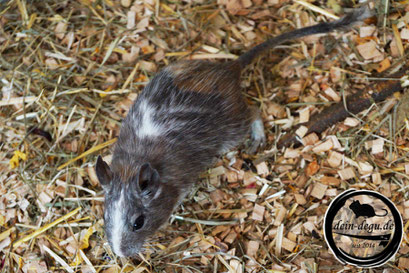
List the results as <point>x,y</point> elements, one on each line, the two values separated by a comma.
<point>136,205</point>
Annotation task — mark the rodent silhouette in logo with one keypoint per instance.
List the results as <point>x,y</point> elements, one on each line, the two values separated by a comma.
<point>364,210</point>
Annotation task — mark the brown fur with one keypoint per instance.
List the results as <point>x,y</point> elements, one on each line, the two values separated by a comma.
<point>204,76</point>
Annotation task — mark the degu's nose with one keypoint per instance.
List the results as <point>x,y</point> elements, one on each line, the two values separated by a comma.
<point>123,249</point>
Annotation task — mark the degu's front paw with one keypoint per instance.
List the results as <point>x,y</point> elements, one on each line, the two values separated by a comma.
<point>257,137</point>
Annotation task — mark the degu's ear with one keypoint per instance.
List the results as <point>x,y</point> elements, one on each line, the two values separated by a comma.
<point>148,180</point>
<point>104,173</point>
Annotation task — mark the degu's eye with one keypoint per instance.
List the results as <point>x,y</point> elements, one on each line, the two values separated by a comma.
<point>138,222</point>
<point>143,185</point>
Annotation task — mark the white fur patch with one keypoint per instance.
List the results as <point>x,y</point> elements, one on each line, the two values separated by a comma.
<point>257,129</point>
<point>118,225</point>
<point>148,127</point>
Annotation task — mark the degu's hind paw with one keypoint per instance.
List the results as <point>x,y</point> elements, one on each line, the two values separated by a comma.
<point>254,144</point>
<point>257,138</point>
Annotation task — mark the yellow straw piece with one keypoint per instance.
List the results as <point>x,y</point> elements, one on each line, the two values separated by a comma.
<point>90,151</point>
<point>177,54</point>
<point>396,169</point>
<point>6,233</point>
<point>46,227</point>
<point>131,76</point>
<point>23,11</point>
<point>167,8</point>
<point>117,50</point>
<point>317,9</point>
<point>84,242</point>
<point>398,40</point>
<point>97,15</point>
<point>31,21</point>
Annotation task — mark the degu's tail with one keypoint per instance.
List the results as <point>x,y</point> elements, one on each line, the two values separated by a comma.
<point>345,22</point>
<point>386,213</point>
